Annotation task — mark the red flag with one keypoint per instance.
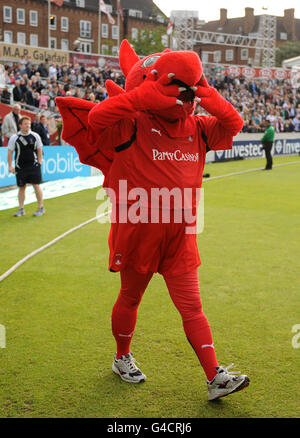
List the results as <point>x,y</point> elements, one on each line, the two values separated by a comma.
<point>57,2</point>
<point>104,9</point>
<point>120,10</point>
<point>170,27</point>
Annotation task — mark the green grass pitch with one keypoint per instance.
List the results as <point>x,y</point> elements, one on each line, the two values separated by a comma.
<point>56,308</point>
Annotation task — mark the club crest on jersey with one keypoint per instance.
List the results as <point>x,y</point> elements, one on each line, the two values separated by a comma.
<point>118,259</point>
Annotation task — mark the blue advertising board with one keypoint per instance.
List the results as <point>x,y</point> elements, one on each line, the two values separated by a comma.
<point>253,149</point>
<point>58,162</point>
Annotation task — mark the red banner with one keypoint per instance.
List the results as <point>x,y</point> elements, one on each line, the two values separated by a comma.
<point>94,60</point>
<point>57,2</point>
<point>251,72</point>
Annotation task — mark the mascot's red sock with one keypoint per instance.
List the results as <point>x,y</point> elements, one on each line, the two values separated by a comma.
<point>124,314</point>
<point>185,293</point>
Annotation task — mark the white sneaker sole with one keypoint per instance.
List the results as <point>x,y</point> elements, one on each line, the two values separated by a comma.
<point>239,387</point>
<point>127,379</point>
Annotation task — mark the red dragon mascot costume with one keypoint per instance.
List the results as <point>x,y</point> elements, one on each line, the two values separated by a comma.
<point>146,139</point>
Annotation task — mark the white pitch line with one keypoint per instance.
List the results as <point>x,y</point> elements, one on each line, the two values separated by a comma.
<point>52,242</point>
<point>249,170</point>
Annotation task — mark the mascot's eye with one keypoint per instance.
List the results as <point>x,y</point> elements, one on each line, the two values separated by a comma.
<point>150,61</point>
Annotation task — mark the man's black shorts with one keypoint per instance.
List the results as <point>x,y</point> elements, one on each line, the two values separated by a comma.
<point>29,175</point>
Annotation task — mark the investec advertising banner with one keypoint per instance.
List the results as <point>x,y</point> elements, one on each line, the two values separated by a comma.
<point>253,149</point>
<point>59,162</point>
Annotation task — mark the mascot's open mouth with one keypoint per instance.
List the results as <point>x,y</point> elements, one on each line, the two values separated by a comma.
<point>185,96</point>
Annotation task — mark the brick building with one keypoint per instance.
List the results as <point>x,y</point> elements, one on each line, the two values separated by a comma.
<point>74,25</point>
<point>287,29</point>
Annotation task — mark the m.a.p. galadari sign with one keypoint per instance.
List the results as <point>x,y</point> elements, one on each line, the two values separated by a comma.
<point>14,52</point>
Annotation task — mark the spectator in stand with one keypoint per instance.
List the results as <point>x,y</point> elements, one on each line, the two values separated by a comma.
<point>288,126</point>
<point>11,121</point>
<point>28,95</point>
<point>296,122</point>
<point>53,71</point>
<point>42,70</point>
<point>5,95</point>
<point>44,99</point>
<point>35,123</point>
<point>42,129</point>
<point>17,91</point>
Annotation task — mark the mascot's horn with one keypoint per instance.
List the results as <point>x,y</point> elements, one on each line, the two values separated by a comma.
<point>113,89</point>
<point>127,57</point>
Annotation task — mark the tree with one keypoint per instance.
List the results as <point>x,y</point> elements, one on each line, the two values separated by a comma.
<point>288,50</point>
<point>149,41</point>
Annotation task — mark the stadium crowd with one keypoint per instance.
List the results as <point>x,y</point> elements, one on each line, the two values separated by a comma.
<point>38,85</point>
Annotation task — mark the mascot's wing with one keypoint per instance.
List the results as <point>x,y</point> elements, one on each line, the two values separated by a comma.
<point>76,132</point>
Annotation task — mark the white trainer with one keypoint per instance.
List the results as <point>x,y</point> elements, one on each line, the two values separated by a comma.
<point>126,368</point>
<point>226,382</point>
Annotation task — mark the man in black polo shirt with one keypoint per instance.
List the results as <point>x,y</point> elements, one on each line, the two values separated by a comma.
<point>28,149</point>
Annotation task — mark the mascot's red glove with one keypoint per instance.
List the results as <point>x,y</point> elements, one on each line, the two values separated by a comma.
<point>209,99</point>
<point>154,94</point>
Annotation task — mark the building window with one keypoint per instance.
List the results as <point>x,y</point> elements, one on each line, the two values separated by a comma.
<point>134,34</point>
<point>33,18</point>
<point>64,23</point>
<point>104,49</point>
<point>80,3</point>
<point>8,36</point>
<point>104,30</point>
<point>21,16</point>
<point>85,29</point>
<point>52,43</point>
<point>52,19</point>
<point>135,13</point>
<point>114,50</point>
<point>115,32</point>
<point>204,57</point>
<point>21,38</point>
<point>108,7</point>
<point>85,47</point>
<point>283,35</point>
<point>244,54</point>
<point>229,55</point>
<point>7,14</point>
<point>34,39</point>
<point>217,56</point>
<point>64,44</point>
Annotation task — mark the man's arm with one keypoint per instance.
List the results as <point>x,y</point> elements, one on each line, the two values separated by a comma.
<point>40,155</point>
<point>39,147</point>
<point>9,160</point>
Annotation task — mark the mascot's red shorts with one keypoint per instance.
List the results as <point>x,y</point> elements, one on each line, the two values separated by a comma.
<point>166,248</point>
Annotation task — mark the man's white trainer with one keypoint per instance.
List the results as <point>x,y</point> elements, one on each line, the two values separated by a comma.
<point>226,382</point>
<point>126,368</point>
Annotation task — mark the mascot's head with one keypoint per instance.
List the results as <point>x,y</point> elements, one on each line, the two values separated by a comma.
<point>185,64</point>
